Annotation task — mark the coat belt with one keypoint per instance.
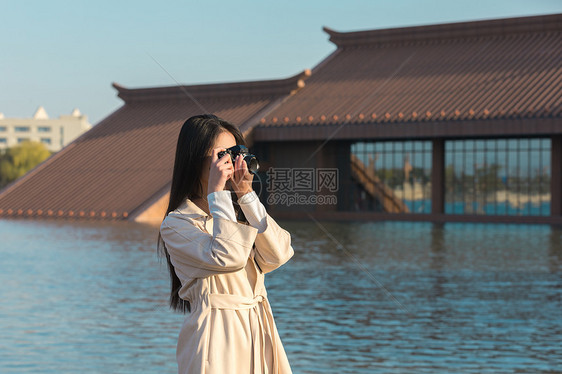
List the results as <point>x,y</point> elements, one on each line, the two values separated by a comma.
<point>257,324</point>
<point>227,301</point>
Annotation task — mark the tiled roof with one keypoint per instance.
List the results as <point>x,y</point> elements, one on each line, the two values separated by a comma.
<point>127,159</point>
<point>472,71</point>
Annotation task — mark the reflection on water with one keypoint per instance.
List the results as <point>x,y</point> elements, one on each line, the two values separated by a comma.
<point>91,297</point>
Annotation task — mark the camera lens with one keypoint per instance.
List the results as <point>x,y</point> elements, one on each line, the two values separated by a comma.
<point>252,163</point>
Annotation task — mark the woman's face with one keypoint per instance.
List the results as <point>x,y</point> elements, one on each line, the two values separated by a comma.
<point>224,140</point>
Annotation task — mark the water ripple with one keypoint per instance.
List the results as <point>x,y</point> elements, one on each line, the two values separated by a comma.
<point>91,297</point>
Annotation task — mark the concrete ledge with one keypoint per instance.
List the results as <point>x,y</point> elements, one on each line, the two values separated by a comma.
<point>415,217</point>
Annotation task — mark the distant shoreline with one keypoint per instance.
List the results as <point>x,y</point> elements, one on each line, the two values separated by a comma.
<point>418,191</point>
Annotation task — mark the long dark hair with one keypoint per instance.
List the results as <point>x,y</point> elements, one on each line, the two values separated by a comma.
<point>196,138</point>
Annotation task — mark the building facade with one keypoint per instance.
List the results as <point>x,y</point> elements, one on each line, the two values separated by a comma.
<point>54,133</point>
<point>453,122</point>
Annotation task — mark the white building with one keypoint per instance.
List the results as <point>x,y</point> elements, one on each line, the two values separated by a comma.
<point>54,133</point>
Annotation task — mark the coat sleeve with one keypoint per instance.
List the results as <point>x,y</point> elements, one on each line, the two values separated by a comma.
<point>273,246</point>
<point>201,254</point>
<point>254,211</point>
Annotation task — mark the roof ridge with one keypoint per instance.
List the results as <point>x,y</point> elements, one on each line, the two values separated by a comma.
<point>457,30</point>
<point>248,88</point>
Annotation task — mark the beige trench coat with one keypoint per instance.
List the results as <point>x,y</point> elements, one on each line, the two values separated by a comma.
<point>230,328</point>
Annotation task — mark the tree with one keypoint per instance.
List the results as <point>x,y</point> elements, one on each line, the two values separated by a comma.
<point>18,160</point>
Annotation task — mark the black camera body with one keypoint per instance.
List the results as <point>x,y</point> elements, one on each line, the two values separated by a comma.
<point>250,159</point>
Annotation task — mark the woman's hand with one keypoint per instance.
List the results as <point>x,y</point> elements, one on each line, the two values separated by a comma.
<point>221,171</point>
<point>242,178</point>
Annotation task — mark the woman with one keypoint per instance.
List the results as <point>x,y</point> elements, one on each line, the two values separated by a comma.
<point>216,263</point>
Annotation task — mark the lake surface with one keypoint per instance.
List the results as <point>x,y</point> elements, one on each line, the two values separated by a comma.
<point>385,297</point>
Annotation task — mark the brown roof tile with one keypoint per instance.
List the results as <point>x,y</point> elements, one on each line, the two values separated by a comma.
<point>127,158</point>
<point>471,71</point>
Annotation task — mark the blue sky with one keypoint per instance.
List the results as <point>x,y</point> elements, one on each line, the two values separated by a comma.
<point>65,54</point>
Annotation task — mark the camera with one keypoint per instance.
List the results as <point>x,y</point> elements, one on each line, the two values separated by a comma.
<point>250,159</point>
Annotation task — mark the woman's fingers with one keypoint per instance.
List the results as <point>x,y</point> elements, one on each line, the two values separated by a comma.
<point>224,168</point>
<point>215,159</point>
<point>221,170</point>
<point>215,155</point>
<point>242,177</point>
<point>241,165</point>
<point>236,175</point>
<point>224,160</point>
<point>224,164</point>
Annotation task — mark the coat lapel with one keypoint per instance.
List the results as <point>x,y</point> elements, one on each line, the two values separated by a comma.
<point>189,209</point>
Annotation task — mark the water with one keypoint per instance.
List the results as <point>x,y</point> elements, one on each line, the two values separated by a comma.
<point>501,208</point>
<point>394,297</point>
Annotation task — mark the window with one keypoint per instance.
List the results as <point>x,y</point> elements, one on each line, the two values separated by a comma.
<point>3,141</point>
<point>21,140</point>
<point>21,128</point>
<point>3,128</point>
<point>43,129</point>
<point>498,176</point>
<point>46,140</point>
<point>392,176</point>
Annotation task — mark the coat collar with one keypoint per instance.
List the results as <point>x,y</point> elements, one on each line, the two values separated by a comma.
<point>189,209</point>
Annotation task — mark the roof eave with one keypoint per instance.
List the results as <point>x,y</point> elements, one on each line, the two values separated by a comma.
<point>277,87</point>
<point>486,28</point>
